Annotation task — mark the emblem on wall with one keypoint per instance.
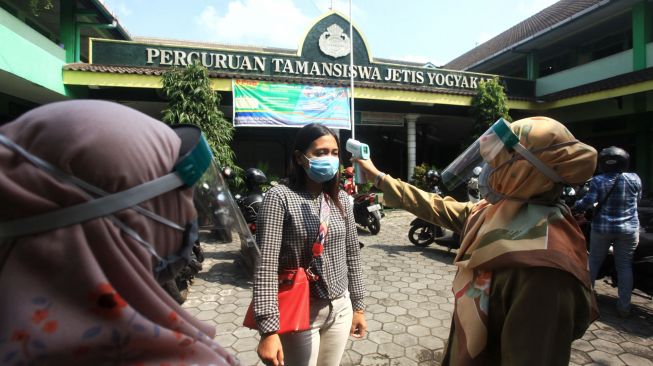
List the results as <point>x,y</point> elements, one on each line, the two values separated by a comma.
<point>334,42</point>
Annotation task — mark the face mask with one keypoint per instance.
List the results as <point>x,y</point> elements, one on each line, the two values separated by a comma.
<point>168,267</point>
<point>484,189</point>
<point>322,169</point>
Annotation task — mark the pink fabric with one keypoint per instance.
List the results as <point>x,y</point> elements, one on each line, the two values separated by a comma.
<point>85,294</point>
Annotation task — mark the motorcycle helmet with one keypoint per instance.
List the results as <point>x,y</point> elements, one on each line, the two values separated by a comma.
<point>433,176</point>
<point>254,178</point>
<point>349,172</point>
<point>613,160</point>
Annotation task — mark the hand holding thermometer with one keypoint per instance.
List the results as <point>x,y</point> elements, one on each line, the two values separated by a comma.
<point>361,151</point>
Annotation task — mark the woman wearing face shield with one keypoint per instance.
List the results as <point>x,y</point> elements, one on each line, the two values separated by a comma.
<point>522,290</point>
<point>288,224</point>
<point>96,213</point>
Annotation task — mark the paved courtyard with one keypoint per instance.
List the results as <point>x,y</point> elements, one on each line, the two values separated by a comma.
<point>409,306</point>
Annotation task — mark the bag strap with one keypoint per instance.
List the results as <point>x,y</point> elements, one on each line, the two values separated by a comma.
<point>600,204</point>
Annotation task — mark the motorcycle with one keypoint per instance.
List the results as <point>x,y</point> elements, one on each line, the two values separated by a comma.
<point>367,212</point>
<point>214,220</point>
<point>423,233</point>
<point>249,205</point>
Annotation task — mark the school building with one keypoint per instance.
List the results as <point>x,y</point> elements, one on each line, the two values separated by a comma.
<point>586,63</point>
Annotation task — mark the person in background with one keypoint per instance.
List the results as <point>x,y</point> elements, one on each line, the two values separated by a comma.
<point>615,222</point>
<point>287,227</point>
<point>81,260</point>
<point>522,290</point>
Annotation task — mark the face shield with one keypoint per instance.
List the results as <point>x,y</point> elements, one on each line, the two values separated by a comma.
<point>195,168</point>
<point>483,151</point>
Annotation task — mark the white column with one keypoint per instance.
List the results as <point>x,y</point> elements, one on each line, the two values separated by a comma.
<point>411,142</point>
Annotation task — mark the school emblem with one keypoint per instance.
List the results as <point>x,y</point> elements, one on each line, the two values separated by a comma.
<point>334,42</point>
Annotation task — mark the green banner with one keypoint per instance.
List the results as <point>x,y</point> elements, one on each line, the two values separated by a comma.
<point>262,103</point>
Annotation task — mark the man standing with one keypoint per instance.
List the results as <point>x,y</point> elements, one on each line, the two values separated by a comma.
<point>615,195</point>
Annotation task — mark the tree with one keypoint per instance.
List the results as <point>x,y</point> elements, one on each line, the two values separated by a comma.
<point>36,6</point>
<point>488,105</point>
<point>191,100</point>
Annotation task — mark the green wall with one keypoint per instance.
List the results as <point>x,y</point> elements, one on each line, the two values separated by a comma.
<point>29,55</point>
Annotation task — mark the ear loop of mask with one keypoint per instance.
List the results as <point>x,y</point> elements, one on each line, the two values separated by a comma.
<point>71,180</point>
<point>537,163</point>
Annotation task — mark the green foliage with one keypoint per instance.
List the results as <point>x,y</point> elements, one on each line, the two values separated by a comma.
<point>36,6</point>
<point>365,187</point>
<point>419,175</point>
<point>191,100</point>
<point>488,105</point>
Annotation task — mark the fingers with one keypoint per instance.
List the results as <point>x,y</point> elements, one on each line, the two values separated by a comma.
<point>280,356</point>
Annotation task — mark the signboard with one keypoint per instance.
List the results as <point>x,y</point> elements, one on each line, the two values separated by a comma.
<point>266,104</point>
<point>323,55</point>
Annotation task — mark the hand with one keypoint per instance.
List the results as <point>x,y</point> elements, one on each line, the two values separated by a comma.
<point>368,168</point>
<point>358,325</point>
<point>269,350</point>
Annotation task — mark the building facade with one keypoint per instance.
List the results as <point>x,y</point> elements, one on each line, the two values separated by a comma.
<point>586,63</point>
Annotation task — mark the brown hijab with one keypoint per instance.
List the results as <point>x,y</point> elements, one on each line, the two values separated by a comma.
<point>85,293</point>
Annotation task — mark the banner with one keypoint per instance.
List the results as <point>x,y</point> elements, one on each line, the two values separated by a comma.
<point>266,104</point>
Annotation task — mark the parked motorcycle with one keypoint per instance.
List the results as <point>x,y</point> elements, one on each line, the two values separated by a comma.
<point>249,205</point>
<point>423,233</point>
<point>216,220</point>
<point>367,212</point>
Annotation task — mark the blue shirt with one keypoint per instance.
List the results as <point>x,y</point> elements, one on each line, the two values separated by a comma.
<point>618,214</point>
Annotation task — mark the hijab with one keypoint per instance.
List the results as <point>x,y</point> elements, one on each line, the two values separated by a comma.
<point>517,233</point>
<point>85,293</point>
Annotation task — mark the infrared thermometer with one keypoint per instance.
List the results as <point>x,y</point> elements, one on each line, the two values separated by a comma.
<point>361,151</point>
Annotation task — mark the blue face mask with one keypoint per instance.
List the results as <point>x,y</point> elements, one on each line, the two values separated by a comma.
<point>322,169</point>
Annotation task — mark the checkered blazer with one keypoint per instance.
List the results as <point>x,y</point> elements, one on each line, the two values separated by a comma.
<point>286,228</point>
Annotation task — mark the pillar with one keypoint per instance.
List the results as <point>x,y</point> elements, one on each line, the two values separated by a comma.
<point>532,66</point>
<point>67,28</point>
<point>411,142</point>
<point>641,33</point>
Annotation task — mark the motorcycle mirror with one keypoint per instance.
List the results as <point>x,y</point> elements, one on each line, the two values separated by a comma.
<point>227,172</point>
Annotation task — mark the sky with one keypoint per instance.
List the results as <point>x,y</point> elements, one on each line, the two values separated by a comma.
<point>435,31</point>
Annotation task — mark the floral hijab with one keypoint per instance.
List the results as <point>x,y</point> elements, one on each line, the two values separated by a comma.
<point>85,293</point>
<point>515,233</point>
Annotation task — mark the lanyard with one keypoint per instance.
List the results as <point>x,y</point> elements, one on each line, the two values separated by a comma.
<point>318,245</point>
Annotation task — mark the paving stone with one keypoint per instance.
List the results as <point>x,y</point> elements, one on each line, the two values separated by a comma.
<point>380,337</point>
<point>430,342</point>
<point>350,358</point>
<point>630,359</point>
<point>407,319</point>
<point>374,360</point>
<point>403,361</point>
<point>394,328</point>
<point>418,330</point>
<point>409,306</point>
<point>419,353</point>
<point>391,350</point>
<point>396,310</point>
<point>582,345</point>
<point>604,358</point>
<point>405,340</point>
<point>607,346</point>
<point>245,344</point>
<point>579,357</point>
<point>384,317</point>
